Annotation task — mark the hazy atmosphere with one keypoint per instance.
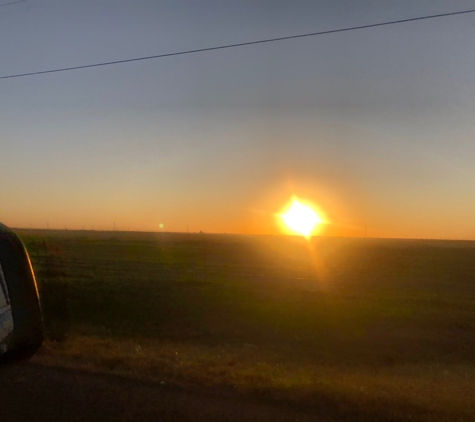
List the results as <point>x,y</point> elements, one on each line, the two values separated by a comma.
<point>374,126</point>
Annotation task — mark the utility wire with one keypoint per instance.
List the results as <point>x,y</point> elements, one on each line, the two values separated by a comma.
<point>12,2</point>
<point>243,44</point>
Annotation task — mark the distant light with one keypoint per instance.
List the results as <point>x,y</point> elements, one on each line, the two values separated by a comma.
<point>301,219</point>
<point>161,225</point>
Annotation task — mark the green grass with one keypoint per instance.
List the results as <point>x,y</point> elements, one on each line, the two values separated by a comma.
<point>358,329</point>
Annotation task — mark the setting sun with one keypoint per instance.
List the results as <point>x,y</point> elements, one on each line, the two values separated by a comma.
<point>301,218</point>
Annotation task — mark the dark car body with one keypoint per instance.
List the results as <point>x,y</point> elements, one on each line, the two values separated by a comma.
<point>21,327</point>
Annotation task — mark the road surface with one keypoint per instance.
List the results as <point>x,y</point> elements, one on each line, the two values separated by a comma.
<point>33,392</point>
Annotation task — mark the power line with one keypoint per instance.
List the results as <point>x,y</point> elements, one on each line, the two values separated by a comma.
<point>243,44</point>
<point>12,2</point>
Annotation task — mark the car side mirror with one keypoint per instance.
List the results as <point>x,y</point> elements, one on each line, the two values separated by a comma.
<point>21,325</point>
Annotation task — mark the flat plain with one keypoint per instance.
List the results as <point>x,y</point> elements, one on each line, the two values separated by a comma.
<point>348,328</point>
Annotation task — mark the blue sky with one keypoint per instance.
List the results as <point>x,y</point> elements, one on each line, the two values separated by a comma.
<point>374,126</point>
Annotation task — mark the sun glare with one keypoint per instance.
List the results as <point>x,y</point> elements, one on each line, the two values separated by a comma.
<point>300,218</point>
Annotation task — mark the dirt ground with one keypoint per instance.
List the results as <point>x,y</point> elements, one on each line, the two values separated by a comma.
<point>32,392</point>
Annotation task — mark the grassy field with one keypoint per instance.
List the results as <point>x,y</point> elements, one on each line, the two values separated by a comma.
<point>353,329</point>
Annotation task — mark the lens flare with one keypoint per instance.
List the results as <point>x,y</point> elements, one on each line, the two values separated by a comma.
<point>300,218</point>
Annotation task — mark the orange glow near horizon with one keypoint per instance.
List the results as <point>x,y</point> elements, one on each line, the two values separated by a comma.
<point>301,218</point>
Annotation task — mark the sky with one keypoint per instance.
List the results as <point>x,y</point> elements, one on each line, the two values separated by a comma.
<point>375,127</point>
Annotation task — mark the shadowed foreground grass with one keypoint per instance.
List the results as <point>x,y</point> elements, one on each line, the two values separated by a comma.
<point>355,329</point>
